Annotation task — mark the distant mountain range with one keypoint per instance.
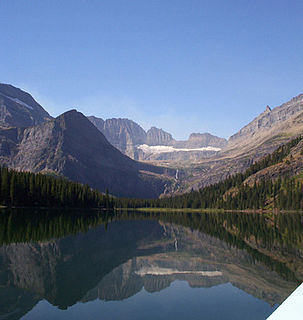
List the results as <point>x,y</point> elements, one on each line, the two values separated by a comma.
<point>97,151</point>
<point>132,140</point>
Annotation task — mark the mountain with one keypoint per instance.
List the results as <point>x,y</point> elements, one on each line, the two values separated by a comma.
<point>123,134</point>
<point>274,182</point>
<point>271,129</point>
<point>156,144</point>
<point>19,109</point>
<point>290,165</point>
<point>200,140</point>
<point>71,146</point>
<point>158,137</point>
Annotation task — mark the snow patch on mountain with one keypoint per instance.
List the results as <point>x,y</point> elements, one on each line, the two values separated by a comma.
<point>18,101</point>
<point>164,149</point>
<point>156,271</point>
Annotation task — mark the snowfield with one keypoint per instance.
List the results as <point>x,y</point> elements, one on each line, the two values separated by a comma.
<point>153,270</point>
<point>18,101</point>
<point>163,149</point>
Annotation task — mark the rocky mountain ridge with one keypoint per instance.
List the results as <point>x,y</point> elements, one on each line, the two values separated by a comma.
<point>28,135</point>
<point>132,140</point>
<point>71,146</point>
<point>272,128</point>
<point>19,109</point>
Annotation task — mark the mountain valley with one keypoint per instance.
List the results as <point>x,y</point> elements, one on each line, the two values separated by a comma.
<point>97,151</point>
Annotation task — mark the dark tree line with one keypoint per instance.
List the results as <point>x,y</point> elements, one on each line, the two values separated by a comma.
<point>39,190</point>
<point>232,193</point>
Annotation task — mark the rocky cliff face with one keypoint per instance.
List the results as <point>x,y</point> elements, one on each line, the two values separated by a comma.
<point>260,137</point>
<point>270,123</point>
<point>123,134</point>
<point>132,140</point>
<point>158,137</point>
<point>73,147</point>
<point>69,146</point>
<point>19,109</point>
<point>198,140</point>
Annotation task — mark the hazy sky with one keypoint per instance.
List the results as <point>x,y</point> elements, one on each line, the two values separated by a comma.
<point>184,66</point>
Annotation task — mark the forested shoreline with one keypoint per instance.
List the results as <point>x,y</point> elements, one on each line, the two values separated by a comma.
<point>284,193</point>
<point>25,189</point>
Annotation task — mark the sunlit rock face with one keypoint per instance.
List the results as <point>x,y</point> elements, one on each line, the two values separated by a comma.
<point>156,144</point>
<point>269,119</point>
<point>123,134</point>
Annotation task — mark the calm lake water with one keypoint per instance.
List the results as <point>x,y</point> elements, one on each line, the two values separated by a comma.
<point>89,265</point>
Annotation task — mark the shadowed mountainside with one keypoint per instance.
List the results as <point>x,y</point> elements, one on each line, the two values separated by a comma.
<point>19,109</point>
<point>71,146</point>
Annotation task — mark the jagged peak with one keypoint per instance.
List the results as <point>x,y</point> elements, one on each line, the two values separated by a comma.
<point>153,129</point>
<point>69,113</point>
<point>268,109</point>
<point>72,115</point>
<point>122,120</point>
<point>94,117</point>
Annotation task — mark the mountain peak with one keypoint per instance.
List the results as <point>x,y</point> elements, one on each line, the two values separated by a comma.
<point>19,108</point>
<point>71,112</point>
<point>268,109</point>
<point>156,136</point>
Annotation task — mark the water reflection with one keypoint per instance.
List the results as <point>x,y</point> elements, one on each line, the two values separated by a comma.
<point>78,257</point>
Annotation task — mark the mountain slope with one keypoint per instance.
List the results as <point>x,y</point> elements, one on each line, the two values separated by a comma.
<point>132,140</point>
<point>281,123</point>
<point>19,109</point>
<point>198,140</point>
<point>72,146</point>
<point>123,134</point>
<point>273,182</point>
<point>262,136</point>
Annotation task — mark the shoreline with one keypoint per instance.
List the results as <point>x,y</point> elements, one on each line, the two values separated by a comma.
<point>168,210</point>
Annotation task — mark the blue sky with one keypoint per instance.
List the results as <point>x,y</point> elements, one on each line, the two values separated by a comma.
<point>185,66</point>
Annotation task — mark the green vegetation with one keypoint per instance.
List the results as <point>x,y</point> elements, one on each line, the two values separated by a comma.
<point>39,190</point>
<point>230,194</point>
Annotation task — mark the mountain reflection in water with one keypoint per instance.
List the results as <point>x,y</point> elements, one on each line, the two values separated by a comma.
<point>61,259</point>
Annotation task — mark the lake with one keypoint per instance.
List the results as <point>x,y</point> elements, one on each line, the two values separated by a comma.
<point>101,265</point>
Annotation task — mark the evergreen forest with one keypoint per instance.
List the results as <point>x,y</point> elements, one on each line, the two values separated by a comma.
<point>232,193</point>
<point>25,189</point>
